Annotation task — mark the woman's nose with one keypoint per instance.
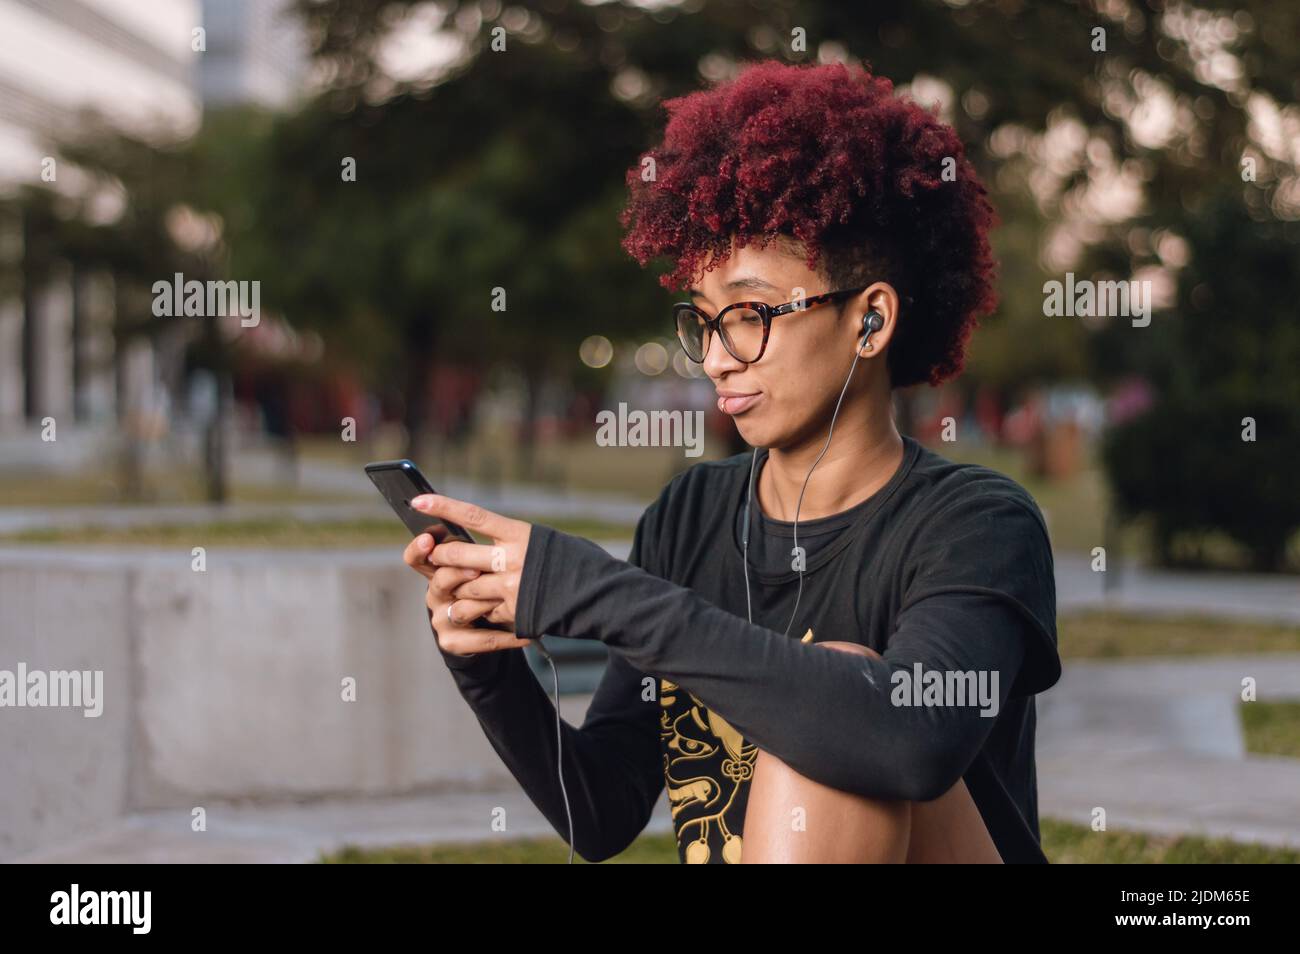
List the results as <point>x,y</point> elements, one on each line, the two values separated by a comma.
<point>717,359</point>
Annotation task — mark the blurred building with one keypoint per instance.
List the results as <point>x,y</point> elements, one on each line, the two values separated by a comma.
<point>134,64</point>
<point>131,61</point>
<point>256,53</point>
<point>149,68</point>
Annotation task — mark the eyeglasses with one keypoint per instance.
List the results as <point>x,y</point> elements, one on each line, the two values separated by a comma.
<point>743,325</point>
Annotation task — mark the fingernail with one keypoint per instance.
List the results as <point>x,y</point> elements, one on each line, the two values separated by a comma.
<point>420,502</point>
<point>424,541</point>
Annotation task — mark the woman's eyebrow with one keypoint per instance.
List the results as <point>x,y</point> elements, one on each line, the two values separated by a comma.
<point>750,282</point>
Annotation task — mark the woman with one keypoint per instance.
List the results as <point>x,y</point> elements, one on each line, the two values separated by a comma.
<point>832,240</point>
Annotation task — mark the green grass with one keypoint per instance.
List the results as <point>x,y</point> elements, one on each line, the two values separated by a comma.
<point>56,490</point>
<point>1075,507</point>
<point>1272,728</point>
<point>566,464</point>
<point>272,532</point>
<point>1063,843</point>
<point>1066,843</point>
<point>648,849</point>
<point>1110,635</point>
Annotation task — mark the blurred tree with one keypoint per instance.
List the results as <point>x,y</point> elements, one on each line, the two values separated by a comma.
<point>1218,452</point>
<point>119,219</point>
<point>1050,112</point>
<point>1112,137</point>
<point>480,228</point>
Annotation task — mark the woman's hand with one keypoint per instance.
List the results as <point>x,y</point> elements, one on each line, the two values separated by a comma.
<point>457,634</point>
<point>479,579</point>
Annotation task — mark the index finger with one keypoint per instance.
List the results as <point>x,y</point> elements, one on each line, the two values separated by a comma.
<point>468,515</point>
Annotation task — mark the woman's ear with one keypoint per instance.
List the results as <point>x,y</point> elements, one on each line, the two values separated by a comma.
<point>882,300</point>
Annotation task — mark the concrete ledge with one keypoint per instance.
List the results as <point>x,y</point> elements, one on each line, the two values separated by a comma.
<point>225,685</point>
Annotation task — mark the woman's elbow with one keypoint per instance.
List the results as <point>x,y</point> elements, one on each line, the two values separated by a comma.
<point>936,769</point>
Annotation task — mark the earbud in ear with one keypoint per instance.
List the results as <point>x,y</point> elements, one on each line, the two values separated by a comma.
<point>871,322</point>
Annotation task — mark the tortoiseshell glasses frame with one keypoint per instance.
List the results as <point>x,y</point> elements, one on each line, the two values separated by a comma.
<point>695,329</point>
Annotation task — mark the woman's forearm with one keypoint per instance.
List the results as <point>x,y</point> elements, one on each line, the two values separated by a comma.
<point>611,765</point>
<point>828,715</point>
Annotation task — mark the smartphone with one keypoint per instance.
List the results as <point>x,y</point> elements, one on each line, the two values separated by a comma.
<point>400,481</point>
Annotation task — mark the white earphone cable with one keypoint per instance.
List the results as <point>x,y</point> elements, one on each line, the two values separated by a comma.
<point>829,434</point>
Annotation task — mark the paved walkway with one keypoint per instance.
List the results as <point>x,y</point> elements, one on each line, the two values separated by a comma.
<point>1145,590</point>
<point>516,499</point>
<point>1157,743</point>
<point>299,833</point>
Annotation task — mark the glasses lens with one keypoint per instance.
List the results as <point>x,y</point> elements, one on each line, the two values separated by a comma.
<point>693,333</point>
<point>742,332</point>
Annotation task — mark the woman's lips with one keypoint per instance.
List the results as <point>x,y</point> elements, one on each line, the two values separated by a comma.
<point>738,405</point>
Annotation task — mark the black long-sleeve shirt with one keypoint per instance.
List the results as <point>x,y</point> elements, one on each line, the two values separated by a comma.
<point>948,568</point>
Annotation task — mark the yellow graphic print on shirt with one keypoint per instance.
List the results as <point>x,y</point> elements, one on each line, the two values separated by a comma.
<point>707,768</point>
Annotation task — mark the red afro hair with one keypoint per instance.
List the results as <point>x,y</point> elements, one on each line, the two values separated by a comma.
<point>874,186</point>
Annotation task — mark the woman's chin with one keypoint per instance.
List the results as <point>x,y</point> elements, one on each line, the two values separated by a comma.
<point>754,433</point>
